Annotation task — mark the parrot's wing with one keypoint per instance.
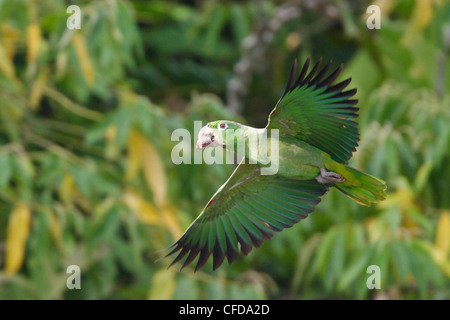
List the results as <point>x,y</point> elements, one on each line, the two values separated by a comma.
<point>314,110</point>
<point>246,209</point>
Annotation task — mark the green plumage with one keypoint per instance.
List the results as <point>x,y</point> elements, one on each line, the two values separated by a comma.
<point>247,215</point>
<point>318,113</point>
<point>317,131</point>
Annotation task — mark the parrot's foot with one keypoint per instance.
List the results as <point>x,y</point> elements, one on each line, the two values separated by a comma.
<point>329,177</point>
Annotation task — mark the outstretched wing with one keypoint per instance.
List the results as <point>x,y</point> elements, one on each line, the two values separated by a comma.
<point>318,112</point>
<point>246,210</point>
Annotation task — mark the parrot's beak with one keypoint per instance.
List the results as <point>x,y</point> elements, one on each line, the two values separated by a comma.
<point>207,138</point>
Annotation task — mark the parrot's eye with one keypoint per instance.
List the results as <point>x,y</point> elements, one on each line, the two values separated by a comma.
<point>223,126</point>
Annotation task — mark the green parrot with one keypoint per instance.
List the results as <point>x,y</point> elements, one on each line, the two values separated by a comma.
<point>316,136</point>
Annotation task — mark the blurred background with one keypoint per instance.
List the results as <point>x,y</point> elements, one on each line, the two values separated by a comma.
<point>86,117</point>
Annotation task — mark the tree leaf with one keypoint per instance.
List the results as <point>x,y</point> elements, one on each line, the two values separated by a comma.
<point>162,285</point>
<point>400,256</point>
<point>56,228</point>
<point>442,241</point>
<point>34,39</point>
<point>134,153</point>
<point>423,13</point>
<point>171,222</point>
<point>37,89</point>
<point>83,57</point>
<point>10,37</point>
<point>154,173</point>
<point>422,176</point>
<point>141,153</point>
<point>355,269</point>
<point>17,235</point>
<point>7,66</point>
<point>145,211</point>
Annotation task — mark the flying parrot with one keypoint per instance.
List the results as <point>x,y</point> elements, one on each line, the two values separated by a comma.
<point>317,135</point>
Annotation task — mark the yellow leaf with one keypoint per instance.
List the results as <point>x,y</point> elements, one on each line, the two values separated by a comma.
<point>17,235</point>
<point>155,174</point>
<point>402,197</point>
<point>83,56</point>
<point>111,149</point>
<point>145,211</point>
<point>68,190</point>
<point>422,176</point>
<point>438,257</point>
<point>141,153</point>
<point>386,6</point>
<point>134,155</point>
<point>442,242</point>
<point>171,222</point>
<point>55,229</point>
<point>374,229</point>
<point>423,12</point>
<point>10,35</point>
<point>7,67</point>
<point>70,194</point>
<point>162,286</point>
<point>37,89</point>
<point>33,41</point>
<point>111,132</point>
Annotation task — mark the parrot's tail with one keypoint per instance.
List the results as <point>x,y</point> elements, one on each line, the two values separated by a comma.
<point>361,187</point>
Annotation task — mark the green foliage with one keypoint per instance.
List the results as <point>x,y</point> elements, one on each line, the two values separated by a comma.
<point>86,175</point>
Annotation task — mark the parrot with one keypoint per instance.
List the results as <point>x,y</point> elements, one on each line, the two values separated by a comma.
<point>317,135</point>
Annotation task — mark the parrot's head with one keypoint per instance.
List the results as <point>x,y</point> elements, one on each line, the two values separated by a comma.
<point>214,134</point>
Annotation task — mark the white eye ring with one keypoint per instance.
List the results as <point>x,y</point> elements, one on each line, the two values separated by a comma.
<point>222,126</point>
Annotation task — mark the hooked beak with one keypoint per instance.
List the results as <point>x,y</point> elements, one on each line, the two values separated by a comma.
<point>207,138</point>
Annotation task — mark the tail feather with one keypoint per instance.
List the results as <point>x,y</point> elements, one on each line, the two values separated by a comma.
<point>361,187</point>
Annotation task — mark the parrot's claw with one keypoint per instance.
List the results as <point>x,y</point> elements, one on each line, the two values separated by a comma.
<point>329,177</point>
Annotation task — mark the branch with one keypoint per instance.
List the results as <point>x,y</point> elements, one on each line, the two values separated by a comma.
<point>72,106</point>
<point>254,48</point>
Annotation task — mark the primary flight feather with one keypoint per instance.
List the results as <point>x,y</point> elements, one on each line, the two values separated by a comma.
<point>316,135</point>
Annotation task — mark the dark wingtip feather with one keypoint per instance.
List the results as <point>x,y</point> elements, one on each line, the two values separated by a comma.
<point>340,86</point>
<point>321,73</point>
<point>320,79</point>
<point>192,255</point>
<point>291,77</point>
<point>245,247</point>
<point>313,71</point>
<point>302,73</point>
<point>353,102</point>
<point>180,256</point>
<point>231,253</point>
<point>330,79</point>
<point>347,94</point>
<point>218,257</point>
<point>204,256</point>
